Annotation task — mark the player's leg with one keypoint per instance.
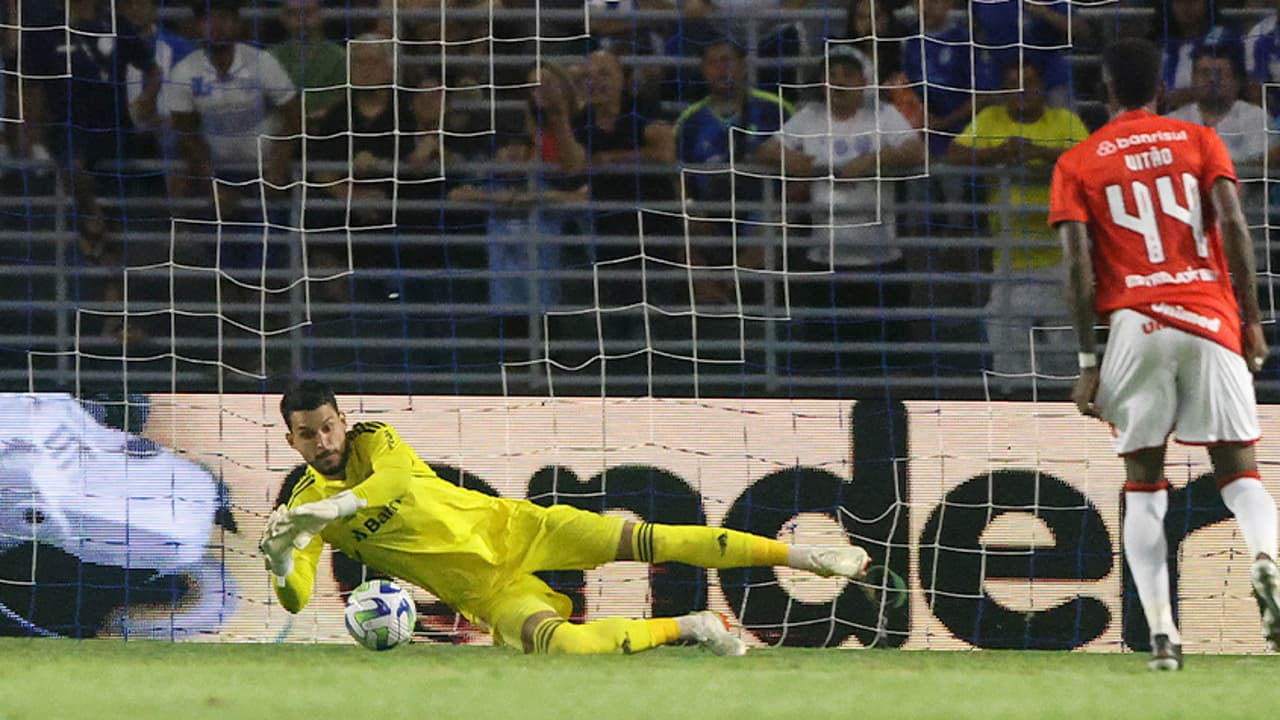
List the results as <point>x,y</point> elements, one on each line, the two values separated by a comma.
<point>528,609</point>
<point>565,538</point>
<point>1236,469</point>
<point>1221,411</point>
<point>723,548</point>
<point>548,633</point>
<point>1137,394</point>
<point>1146,549</point>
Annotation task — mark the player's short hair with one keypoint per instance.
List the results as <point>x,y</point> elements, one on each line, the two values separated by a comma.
<point>306,395</point>
<point>1132,68</point>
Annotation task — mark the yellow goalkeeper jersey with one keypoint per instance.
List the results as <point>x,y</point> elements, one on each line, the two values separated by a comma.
<point>459,544</point>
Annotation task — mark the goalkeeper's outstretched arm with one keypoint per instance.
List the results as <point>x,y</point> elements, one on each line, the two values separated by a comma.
<point>294,590</point>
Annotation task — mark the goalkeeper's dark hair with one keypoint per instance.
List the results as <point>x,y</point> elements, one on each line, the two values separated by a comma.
<point>306,395</point>
<point>1132,68</point>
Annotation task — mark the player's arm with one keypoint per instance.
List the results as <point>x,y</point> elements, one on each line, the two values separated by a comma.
<point>1080,301</point>
<point>1237,244</point>
<point>1079,282</point>
<point>392,462</point>
<point>294,589</point>
<point>139,54</point>
<point>195,152</point>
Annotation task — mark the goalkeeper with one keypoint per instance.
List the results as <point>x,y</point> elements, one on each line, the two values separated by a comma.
<point>368,494</point>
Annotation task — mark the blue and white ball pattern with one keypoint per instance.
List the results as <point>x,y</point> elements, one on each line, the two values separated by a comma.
<point>380,615</point>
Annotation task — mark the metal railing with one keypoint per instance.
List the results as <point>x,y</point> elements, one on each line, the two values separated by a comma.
<point>411,335</point>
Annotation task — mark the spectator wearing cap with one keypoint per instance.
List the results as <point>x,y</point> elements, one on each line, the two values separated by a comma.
<point>877,35</point>
<point>313,61</point>
<point>1181,28</point>
<point>1026,136</point>
<point>840,148</point>
<point>725,127</point>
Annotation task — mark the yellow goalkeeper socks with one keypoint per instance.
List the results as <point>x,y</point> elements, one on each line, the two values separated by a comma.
<point>704,546</point>
<point>610,635</point>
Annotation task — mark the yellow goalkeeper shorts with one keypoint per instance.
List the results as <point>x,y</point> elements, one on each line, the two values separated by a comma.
<point>555,538</point>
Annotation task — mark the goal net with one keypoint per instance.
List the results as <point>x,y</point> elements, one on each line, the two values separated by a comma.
<point>775,266</point>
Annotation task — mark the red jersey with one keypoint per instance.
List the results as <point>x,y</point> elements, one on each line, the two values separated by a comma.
<point>1141,185</point>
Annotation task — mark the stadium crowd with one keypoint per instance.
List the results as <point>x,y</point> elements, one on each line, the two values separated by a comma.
<point>490,163</point>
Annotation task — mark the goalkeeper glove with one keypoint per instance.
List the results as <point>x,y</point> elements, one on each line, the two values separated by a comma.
<point>304,521</point>
<point>277,543</point>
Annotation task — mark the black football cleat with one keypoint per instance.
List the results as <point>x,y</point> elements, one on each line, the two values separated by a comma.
<point>1164,654</point>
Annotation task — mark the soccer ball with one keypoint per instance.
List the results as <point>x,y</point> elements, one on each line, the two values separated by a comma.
<point>380,615</point>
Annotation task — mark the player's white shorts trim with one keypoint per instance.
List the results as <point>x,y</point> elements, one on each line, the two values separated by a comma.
<point>1157,379</point>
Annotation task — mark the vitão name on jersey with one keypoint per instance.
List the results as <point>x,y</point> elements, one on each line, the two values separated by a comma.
<point>1180,313</point>
<point>1152,157</point>
<point>1190,275</point>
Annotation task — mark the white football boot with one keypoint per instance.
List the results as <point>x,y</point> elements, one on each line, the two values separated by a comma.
<point>711,631</point>
<point>1265,578</point>
<point>849,561</point>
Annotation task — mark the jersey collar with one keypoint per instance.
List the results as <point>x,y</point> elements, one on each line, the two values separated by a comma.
<point>1129,115</point>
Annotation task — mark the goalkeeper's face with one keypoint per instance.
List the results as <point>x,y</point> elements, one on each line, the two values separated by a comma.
<point>320,437</point>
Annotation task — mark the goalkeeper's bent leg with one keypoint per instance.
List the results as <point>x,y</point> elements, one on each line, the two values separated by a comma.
<point>551,634</point>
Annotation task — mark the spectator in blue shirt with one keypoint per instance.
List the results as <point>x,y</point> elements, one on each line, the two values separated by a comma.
<point>1037,30</point>
<point>945,71</point>
<point>1181,27</point>
<point>85,114</point>
<point>728,126</point>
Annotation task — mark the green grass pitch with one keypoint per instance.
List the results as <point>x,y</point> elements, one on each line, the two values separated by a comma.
<point>69,680</point>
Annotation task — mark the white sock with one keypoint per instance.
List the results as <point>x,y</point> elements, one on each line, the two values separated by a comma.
<point>1255,511</point>
<point>1146,550</point>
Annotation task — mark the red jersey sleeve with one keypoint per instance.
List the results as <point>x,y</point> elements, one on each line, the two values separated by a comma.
<point>1217,161</point>
<point>1066,198</point>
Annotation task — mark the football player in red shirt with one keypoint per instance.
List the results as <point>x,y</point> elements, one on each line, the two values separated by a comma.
<point>1157,247</point>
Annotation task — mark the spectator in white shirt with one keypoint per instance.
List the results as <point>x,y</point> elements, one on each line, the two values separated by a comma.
<point>845,145</point>
<point>1218,77</point>
<point>224,98</point>
<point>841,149</point>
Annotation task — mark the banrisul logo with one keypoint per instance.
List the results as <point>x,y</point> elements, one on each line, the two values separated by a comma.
<point>1106,147</point>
